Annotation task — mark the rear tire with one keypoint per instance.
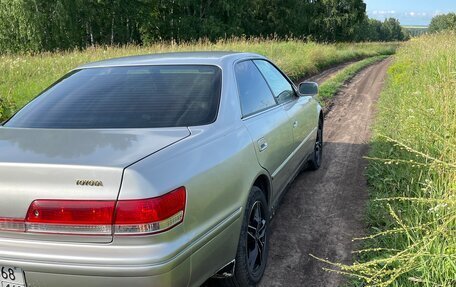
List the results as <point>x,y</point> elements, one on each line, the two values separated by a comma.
<point>253,247</point>
<point>317,155</point>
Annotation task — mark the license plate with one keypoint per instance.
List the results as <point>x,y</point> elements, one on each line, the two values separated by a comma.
<point>12,277</point>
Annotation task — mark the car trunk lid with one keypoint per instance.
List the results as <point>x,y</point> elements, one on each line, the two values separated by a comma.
<point>70,165</point>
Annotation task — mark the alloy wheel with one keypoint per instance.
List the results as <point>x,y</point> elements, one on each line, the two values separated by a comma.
<point>256,238</point>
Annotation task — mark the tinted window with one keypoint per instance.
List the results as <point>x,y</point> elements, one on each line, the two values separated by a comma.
<point>127,97</point>
<point>282,89</point>
<point>254,93</point>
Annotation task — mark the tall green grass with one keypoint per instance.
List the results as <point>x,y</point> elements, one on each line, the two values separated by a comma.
<point>23,76</point>
<point>412,172</point>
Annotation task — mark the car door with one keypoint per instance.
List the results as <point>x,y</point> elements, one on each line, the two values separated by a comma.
<point>300,109</point>
<point>267,122</point>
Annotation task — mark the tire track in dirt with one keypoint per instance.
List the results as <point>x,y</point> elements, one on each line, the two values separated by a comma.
<point>327,74</point>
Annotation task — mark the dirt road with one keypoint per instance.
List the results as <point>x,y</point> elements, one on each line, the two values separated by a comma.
<point>323,210</point>
<point>327,74</point>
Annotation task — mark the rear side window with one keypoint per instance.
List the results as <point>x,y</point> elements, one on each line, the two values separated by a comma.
<point>254,93</point>
<point>280,86</point>
<point>127,97</point>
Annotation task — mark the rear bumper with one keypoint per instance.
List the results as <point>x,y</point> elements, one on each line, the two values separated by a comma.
<point>177,277</point>
<point>93,259</point>
<point>174,272</point>
<point>172,263</point>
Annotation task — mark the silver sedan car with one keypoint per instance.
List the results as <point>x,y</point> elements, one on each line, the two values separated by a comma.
<point>159,170</point>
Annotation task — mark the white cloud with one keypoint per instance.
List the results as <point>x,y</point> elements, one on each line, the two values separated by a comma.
<point>438,12</point>
<point>382,12</point>
<point>417,14</point>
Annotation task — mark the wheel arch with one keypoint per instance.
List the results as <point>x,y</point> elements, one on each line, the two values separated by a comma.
<point>263,182</point>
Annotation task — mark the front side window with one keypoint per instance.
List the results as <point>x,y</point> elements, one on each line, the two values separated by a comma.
<point>254,93</point>
<point>282,89</point>
<point>127,97</point>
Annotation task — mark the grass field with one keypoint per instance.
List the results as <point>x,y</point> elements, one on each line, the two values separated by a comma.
<point>415,27</point>
<point>412,171</point>
<point>416,31</point>
<point>23,76</point>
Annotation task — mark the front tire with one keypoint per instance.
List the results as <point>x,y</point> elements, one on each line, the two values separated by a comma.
<point>253,247</point>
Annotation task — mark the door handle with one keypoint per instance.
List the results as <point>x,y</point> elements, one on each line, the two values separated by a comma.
<point>262,144</point>
<point>295,124</point>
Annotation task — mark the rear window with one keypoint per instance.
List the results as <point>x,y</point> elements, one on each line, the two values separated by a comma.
<point>126,97</point>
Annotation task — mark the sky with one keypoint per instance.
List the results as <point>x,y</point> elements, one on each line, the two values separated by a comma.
<point>409,12</point>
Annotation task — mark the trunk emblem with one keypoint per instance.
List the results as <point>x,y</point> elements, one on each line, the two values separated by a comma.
<point>89,182</point>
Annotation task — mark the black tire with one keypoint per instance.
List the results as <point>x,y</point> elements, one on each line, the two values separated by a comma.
<point>317,156</point>
<point>254,232</point>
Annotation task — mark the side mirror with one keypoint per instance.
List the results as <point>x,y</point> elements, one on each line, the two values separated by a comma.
<point>308,89</point>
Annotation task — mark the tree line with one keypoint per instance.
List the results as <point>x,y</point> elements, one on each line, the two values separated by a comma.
<point>374,30</point>
<point>47,25</point>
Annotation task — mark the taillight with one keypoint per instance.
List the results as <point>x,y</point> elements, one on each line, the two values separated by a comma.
<point>87,217</point>
<point>150,215</point>
<point>70,216</point>
<point>12,224</point>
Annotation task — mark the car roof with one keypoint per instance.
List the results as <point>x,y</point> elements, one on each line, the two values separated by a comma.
<point>202,58</point>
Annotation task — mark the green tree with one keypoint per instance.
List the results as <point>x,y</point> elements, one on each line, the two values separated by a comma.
<point>335,20</point>
<point>443,22</point>
<point>374,30</point>
<point>368,30</point>
<point>392,30</point>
